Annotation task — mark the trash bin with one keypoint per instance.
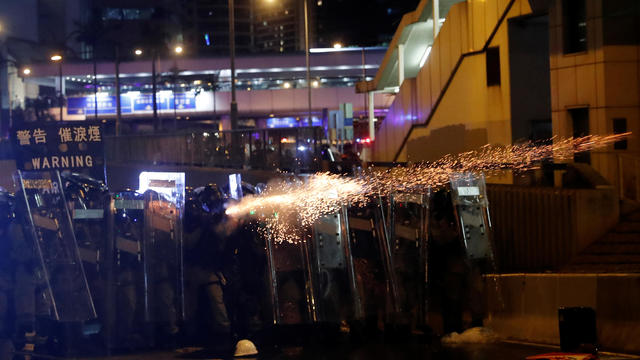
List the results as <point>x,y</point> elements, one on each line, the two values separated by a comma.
<point>577,328</point>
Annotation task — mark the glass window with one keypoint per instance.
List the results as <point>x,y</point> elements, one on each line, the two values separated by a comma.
<point>620,127</point>
<point>493,66</point>
<point>574,14</point>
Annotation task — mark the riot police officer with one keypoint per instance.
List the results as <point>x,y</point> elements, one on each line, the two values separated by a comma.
<point>204,280</point>
<point>244,264</point>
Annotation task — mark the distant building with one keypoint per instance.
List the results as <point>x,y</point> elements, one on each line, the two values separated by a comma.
<point>280,25</point>
<point>206,28</point>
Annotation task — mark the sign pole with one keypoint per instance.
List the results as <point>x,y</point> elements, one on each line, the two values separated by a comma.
<point>118,107</point>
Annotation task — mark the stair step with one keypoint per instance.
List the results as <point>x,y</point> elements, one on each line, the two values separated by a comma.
<point>635,216</point>
<point>602,268</point>
<point>628,206</point>
<point>628,227</point>
<point>607,259</point>
<point>620,237</point>
<point>612,248</point>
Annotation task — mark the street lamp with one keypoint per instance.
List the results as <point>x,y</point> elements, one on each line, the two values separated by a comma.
<point>58,58</point>
<point>233,107</point>
<point>26,71</point>
<point>337,46</point>
<point>154,85</point>
<point>176,72</point>
<point>307,60</point>
<point>306,43</point>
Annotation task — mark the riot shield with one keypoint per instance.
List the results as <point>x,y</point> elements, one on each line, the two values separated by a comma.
<point>128,293</point>
<point>291,285</point>
<point>469,196</point>
<point>408,229</point>
<point>88,200</point>
<point>47,219</point>
<point>162,255</point>
<point>333,267</point>
<point>373,262</point>
<point>163,246</point>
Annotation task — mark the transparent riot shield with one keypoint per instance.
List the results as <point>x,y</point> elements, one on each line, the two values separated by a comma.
<point>333,269</point>
<point>408,234</point>
<point>291,284</point>
<point>373,263</point>
<point>46,215</point>
<point>163,246</point>
<point>162,255</point>
<point>88,203</point>
<point>469,196</point>
<point>128,292</point>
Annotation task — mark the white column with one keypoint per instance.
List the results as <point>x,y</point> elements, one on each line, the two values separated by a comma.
<point>436,18</point>
<point>400,64</point>
<point>372,127</point>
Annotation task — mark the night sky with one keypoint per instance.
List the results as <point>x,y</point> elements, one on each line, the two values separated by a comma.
<point>361,22</point>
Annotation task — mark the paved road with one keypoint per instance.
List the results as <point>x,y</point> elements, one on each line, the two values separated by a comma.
<point>507,351</point>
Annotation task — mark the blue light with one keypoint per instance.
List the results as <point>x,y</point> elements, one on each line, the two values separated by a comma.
<point>206,39</point>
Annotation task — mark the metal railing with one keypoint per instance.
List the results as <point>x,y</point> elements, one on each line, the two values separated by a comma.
<point>287,149</point>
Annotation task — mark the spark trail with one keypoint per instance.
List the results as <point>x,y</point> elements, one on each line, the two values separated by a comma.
<point>287,208</point>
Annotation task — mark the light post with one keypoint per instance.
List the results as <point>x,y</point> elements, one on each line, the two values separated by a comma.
<point>306,43</point>
<point>233,109</point>
<point>25,72</point>
<point>95,85</point>
<point>3,64</point>
<point>307,57</point>
<point>58,59</point>
<point>177,50</point>
<point>154,85</point>
<point>117,84</point>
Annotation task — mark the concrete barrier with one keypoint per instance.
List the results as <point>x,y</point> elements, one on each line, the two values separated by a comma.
<point>525,306</point>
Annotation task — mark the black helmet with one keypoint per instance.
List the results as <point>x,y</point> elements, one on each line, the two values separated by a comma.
<point>82,189</point>
<point>211,198</point>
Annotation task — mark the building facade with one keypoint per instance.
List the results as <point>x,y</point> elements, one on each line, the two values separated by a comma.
<point>502,72</point>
